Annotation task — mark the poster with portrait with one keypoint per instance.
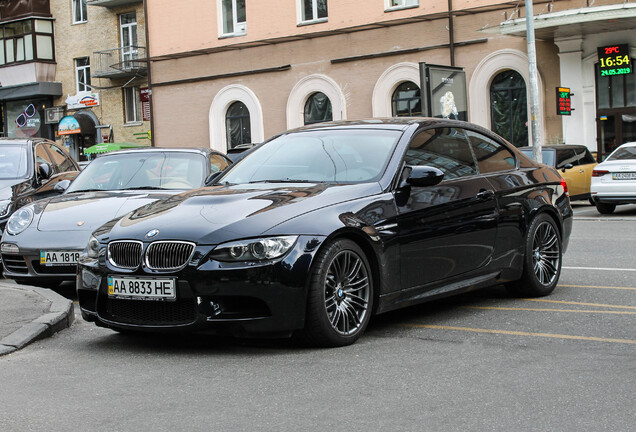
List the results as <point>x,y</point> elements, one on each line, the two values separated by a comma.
<point>445,91</point>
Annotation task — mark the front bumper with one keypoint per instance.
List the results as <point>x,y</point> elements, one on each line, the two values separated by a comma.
<point>212,297</point>
<point>25,265</point>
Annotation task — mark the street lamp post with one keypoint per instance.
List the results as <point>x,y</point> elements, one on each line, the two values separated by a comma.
<point>534,85</point>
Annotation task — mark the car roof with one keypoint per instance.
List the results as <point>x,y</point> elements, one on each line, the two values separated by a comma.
<point>24,141</point>
<point>201,150</point>
<point>395,123</point>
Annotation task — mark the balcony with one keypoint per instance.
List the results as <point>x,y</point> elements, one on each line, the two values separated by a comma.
<point>121,62</point>
<point>111,3</point>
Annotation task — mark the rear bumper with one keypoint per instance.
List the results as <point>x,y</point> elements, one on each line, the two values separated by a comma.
<point>614,199</point>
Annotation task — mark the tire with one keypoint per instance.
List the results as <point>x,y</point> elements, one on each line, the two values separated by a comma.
<point>340,297</point>
<point>542,259</point>
<point>604,208</point>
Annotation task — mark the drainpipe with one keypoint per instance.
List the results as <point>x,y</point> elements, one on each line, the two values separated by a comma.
<point>451,35</point>
<point>150,98</point>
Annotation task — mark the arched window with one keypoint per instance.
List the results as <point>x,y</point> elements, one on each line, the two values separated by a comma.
<point>318,109</point>
<point>406,100</point>
<point>237,124</point>
<point>509,107</point>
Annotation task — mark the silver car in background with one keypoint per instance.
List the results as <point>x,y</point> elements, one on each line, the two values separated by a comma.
<point>43,240</point>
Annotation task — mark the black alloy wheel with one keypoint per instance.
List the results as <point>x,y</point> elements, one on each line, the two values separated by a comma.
<point>542,261</point>
<point>340,295</point>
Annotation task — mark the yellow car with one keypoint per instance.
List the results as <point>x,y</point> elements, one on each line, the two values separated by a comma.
<point>575,164</point>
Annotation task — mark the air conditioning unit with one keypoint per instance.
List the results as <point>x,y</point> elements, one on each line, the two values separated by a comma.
<point>53,114</point>
<point>240,27</point>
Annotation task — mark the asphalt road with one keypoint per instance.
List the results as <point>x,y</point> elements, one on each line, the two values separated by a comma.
<point>481,361</point>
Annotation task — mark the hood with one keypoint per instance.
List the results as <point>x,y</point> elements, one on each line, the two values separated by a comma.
<point>89,210</point>
<point>221,213</point>
<point>7,186</point>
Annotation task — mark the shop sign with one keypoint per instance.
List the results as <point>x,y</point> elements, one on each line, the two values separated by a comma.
<point>85,99</point>
<point>563,101</point>
<point>144,97</point>
<point>614,60</point>
<point>68,126</point>
<point>445,92</point>
<point>23,119</point>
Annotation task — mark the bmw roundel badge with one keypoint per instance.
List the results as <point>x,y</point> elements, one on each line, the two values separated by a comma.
<point>152,233</point>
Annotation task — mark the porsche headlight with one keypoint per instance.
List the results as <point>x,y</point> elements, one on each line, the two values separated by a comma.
<point>254,249</point>
<point>20,220</point>
<point>92,249</point>
<point>5,207</point>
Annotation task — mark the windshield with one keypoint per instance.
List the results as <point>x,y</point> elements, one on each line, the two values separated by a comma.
<point>623,153</point>
<point>13,161</point>
<point>142,170</point>
<point>547,155</point>
<point>341,156</point>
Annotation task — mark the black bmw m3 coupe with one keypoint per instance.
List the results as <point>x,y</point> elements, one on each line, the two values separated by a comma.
<point>320,228</point>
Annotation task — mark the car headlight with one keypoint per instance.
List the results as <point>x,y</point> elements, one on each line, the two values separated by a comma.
<point>5,207</point>
<point>92,249</point>
<point>254,249</point>
<point>20,220</point>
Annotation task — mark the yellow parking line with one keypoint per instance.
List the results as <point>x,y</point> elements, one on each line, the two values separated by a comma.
<point>597,287</point>
<point>580,303</point>
<point>550,310</point>
<point>518,333</point>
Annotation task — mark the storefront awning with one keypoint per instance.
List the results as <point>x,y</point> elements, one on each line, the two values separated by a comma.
<point>31,90</point>
<point>573,22</point>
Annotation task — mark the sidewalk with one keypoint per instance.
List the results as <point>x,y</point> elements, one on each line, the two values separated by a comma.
<point>28,313</point>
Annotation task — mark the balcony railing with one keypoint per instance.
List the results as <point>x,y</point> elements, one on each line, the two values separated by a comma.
<point>111,3</point>
<point>120,62</point>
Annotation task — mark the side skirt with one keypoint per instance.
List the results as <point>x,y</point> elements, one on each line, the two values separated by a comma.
<point>423,294</point>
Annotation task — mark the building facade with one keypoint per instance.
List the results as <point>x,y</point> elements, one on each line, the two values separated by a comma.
<point>241,71</point>
<point>74,71</point>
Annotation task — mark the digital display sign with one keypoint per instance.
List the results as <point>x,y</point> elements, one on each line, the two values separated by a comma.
<point>614,60</point>
<point>563,101</point>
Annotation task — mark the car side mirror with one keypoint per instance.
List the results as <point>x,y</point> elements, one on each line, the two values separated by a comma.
<point>567,167</point>
<point>44,169</point>
<point>424,176</point>
<point>61,186</point>
<point>212,177</point>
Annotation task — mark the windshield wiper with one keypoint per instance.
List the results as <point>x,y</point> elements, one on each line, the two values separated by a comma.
<point>144,188</point>
<point>287,180</point>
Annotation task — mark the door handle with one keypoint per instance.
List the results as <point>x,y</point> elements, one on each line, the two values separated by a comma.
<point>485,194</point>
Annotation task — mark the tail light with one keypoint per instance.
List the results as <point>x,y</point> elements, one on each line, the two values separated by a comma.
<point>564,185</point>
<point>599,173</point>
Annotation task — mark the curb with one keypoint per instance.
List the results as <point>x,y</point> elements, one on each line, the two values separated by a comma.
<point>60,316</point>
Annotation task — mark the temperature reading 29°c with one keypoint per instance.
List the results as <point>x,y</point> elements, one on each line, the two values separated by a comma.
<point>614,60</point>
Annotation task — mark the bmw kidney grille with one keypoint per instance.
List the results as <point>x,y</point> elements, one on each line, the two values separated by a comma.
<point>161,255</point>
<point>168,255</point>
<point>125,254</point>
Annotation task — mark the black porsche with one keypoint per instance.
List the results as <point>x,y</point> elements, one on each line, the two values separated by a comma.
<point>322,227</point>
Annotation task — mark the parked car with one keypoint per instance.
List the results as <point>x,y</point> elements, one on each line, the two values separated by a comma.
<point>43,240</point>
<point>29,170</point>
<point>322,227</point>
<point>614,179</point>
<point>576,164</point>
<point>240,151</point>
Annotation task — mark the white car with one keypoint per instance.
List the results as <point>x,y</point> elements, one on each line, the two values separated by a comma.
<point>614,180</point>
